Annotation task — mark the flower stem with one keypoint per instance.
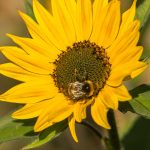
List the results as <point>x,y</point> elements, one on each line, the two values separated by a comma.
<point>86,123</point>
<point>113,132</point>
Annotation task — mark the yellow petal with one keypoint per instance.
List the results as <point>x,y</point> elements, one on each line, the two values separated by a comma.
<point>37,48</point>
<point>120,72</point>
<point>139,68</point>
<point>129,55</point>
<point>50,26</point>
<point>35,31</point>
<point>127,18</point>
<point>22,59</point>
<point>99,7</point>
<point>99,113</point>
<point>84,19</point>
<point>117,76</point>
<point>108,97</point>
<point>71,6</point>
<point>31,110</point>
<point>55,112</point>
<point>63,17</point>
<point>110,27</point>
<point>124,43</point>
<point>30,92</point>
<point>71,121</point>
<point>122,93</point>
<point>13,71</point>
<point>80,110</point>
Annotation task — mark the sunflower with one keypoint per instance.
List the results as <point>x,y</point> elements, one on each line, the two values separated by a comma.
<point>77,56</point>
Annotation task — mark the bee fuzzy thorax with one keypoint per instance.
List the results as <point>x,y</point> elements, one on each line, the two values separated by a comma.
<point>80,90</point>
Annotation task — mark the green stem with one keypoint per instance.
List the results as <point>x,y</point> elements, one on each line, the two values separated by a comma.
<point>113,132</point>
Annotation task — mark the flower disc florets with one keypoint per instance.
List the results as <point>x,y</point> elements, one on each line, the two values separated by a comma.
<point>82,71</point>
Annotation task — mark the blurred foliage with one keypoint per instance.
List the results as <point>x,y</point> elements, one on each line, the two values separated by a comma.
<point>143,12</point>
<point>140,103</point>
<point>29,9</point>
<point>48,135</point>
<point>11,129</point>
<point>138,136</point>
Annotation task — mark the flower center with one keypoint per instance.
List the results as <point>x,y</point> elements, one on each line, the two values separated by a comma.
<point>82,71</point>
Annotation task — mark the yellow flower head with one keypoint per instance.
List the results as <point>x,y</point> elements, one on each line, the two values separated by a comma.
<point>78,55</point>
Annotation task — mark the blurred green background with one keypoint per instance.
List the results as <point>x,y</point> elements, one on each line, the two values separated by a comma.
<point>134,131</point>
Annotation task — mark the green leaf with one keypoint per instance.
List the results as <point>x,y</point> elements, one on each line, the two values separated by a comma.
<point>143,12</point>
<point>11,129</point>
<point>140,104</point>
<point>139,90</point>
<point>48,135</point>
<point>29,9</point>
<point>138,136</point>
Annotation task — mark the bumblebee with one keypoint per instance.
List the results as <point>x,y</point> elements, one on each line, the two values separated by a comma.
<point>80,90</point>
